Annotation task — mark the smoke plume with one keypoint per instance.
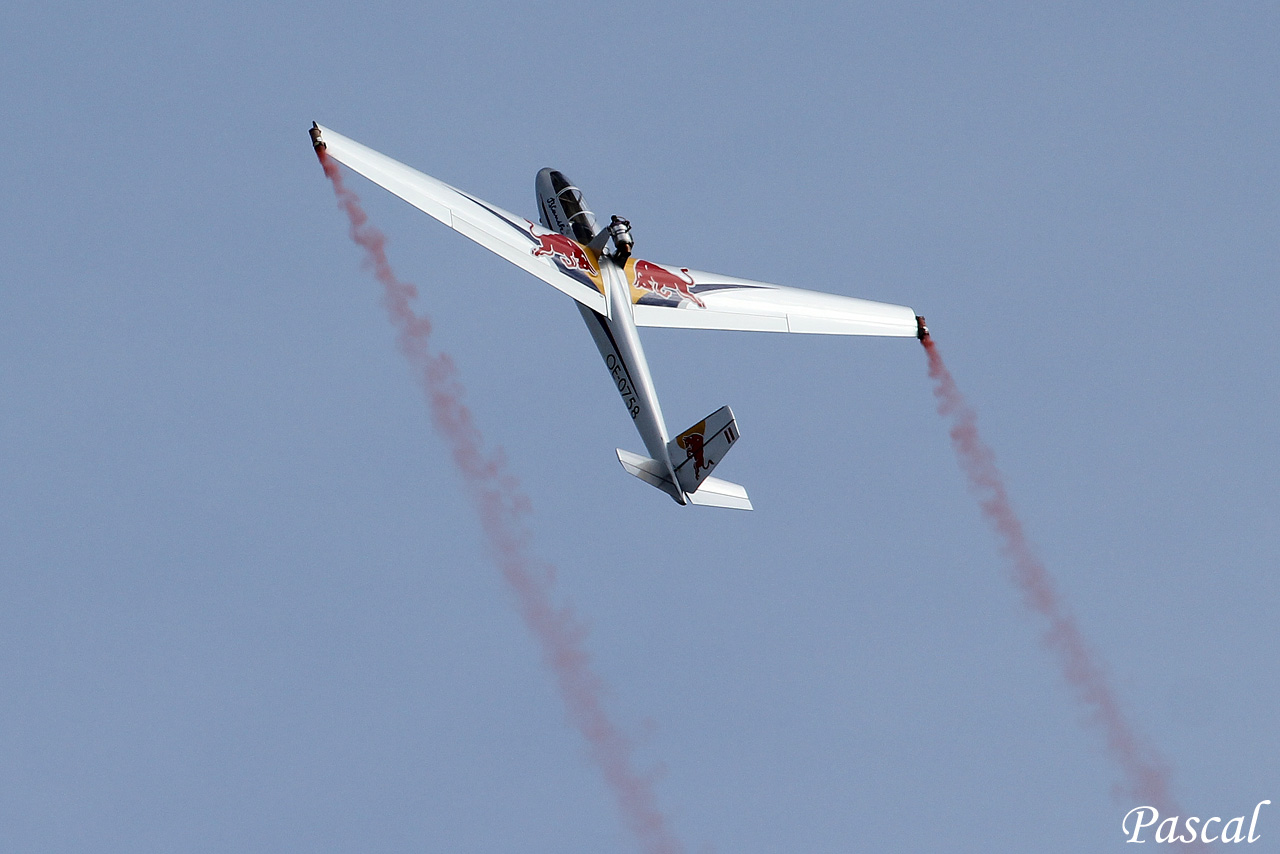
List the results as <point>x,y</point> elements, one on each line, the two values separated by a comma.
<point>501,505</point>
<point>1146,776</point>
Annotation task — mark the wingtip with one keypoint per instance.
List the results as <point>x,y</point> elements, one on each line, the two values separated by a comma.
<point>316,141</point>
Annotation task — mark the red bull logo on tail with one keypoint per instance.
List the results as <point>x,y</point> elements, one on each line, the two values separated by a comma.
<point>693,442</point>
<point>664,283</point>
<point>566,252</point>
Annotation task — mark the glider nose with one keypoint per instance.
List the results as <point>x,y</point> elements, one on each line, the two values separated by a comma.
<point>542,184</point>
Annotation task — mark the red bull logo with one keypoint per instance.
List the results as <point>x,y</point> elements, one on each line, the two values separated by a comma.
<point>664,283</point>
<point>565,251</point>
<point>693,444</point>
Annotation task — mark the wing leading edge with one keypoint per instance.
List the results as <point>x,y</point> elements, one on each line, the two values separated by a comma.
<point>572,269</point>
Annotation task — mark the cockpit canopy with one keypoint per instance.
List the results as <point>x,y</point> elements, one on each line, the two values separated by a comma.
<point>575,209</point>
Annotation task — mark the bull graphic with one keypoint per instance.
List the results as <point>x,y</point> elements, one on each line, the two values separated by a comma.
<point>664,283</point>
<point>564,251</point>
<point>693,449</point>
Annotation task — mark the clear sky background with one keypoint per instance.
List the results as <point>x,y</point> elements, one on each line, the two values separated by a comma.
<point>245,607</point>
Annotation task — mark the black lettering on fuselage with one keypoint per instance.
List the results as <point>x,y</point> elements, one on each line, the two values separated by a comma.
<point>622,377</point>
<point>553,214</point>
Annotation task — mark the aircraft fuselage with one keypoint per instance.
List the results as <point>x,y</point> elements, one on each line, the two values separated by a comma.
<point>561,208</point>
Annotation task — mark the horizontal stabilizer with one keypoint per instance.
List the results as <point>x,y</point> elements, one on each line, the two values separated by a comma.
<point>713,492</point>
<point>650,471</point>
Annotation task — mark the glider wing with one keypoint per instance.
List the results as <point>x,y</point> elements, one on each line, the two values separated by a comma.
<point>678,297</point>
<point>559,261</point>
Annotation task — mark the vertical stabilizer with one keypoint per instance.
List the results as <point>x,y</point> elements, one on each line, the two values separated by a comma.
<point>695,452</point>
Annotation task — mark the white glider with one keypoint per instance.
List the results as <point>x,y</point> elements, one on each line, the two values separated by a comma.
<point>617,293</point>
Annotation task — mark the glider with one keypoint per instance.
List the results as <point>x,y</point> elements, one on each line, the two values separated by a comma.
<point>616,293</point>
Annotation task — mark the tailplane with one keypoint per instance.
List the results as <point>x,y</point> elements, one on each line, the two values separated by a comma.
<point>713,492</point>
<point>694,453</point>
<point>651,472</point>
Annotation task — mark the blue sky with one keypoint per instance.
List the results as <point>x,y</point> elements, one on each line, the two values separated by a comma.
<point>245,606</point>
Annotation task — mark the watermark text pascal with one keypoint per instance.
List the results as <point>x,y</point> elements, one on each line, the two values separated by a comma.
<point>1176,829</point>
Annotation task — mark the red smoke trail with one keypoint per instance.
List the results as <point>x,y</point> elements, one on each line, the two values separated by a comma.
<point>1146,774</point>
<point>500,504</point>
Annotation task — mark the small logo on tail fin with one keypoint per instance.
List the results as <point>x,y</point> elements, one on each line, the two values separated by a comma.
<point>696,451</point>
<point>693,441</point>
